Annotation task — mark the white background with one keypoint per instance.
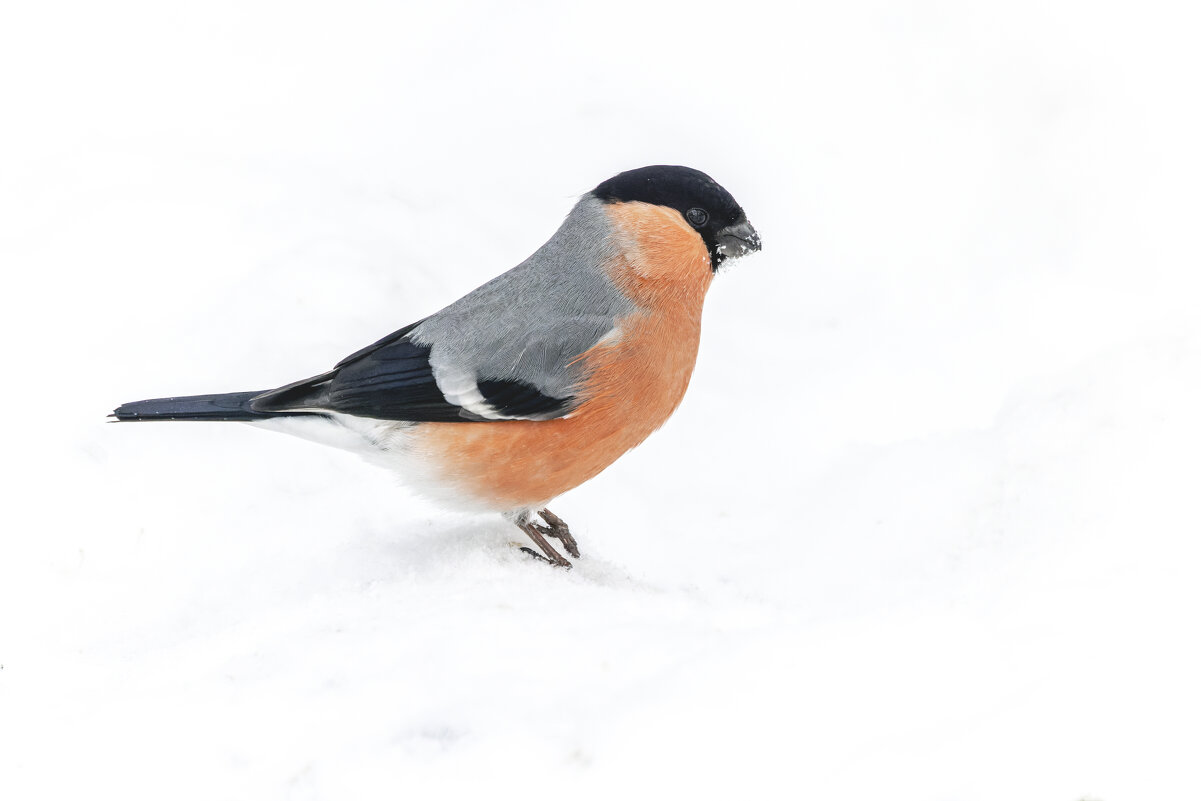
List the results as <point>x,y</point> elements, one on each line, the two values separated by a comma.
<point>925,527</point>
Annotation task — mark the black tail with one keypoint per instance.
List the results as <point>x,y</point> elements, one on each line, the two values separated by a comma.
<point>230,406</point>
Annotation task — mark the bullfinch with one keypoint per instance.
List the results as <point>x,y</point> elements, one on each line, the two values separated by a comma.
<point>536,381</point>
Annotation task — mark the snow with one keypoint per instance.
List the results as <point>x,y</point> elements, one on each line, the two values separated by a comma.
<point>924,528</point>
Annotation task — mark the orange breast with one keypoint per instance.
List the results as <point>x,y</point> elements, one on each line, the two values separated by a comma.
<point>633,382</point>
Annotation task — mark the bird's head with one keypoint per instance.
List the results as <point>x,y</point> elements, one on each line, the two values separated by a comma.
<point>702,203</point>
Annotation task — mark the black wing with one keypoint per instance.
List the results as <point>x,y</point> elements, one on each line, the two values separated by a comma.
<point>392,380</point>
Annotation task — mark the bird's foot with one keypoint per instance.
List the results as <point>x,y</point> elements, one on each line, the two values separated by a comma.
<point>556,527</point>
<point>534,532</point>
<point>530,552</point>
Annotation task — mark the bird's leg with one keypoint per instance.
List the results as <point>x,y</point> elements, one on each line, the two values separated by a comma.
<point>556,527</point>
<point>534,532</point>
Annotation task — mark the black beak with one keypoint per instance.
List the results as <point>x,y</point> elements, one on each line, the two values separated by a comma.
<point>737,240</point>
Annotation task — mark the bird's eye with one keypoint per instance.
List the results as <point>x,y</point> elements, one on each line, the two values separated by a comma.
<point>697,217</point>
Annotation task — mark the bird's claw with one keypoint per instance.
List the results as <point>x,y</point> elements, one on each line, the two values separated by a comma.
<point>556,527</point>
<point>534,554</point>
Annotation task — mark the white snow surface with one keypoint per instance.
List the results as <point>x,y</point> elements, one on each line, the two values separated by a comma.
<point>926,526</point>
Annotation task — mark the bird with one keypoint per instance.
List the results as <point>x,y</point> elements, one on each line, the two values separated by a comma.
<point>537,380</point>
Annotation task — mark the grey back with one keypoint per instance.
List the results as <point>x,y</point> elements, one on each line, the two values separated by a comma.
<point>530,323</point>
